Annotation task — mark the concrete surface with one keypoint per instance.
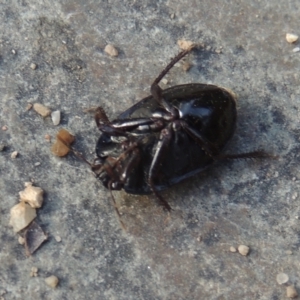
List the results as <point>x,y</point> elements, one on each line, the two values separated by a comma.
<point>185,254</point>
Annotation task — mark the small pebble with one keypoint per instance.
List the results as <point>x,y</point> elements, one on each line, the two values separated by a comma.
<point>55,116</point>
<point>21,216</point>
<point>63,140</point>
<point>2,147</point>
<point>4,128</point>
<point>14,154</point>
<point>282,278</point>
<point>111,50</point>
<point>172,16</point>
<point>184,45</point>
<point>29,106</point>
<point>41,109</point>
<point>48,137</point>
<point>13,51</point>
<point>164,81</point>
<point>58,238</point>
<point>289,252</point>
<point>186,66</point>
<point>33,66</point>
<point>232,249</point>
<point>34,272</point>
<point>296,49</point>
<point>291,292</point>
<point>21,240</point>
<point>244,250</point>
<point>33,195</point>
<point>34,237</point>
<point>52,281</point>
<point>291,38</point>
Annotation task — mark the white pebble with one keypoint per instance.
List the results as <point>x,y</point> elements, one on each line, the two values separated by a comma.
<point>282,278</point>
<point>52,281</point>
<point>58,238</point>
<point>55,116</point>
<point>14,154</point>
<point>296,49</point>
<point>291,38</point>
<point>21,240</point>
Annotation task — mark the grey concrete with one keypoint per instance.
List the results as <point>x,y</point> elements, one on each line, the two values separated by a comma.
<point>184,255</point>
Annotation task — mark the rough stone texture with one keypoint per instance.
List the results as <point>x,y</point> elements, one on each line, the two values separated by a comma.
<point>183,255</point>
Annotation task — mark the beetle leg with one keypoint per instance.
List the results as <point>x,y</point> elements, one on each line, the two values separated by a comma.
<point>205,144</point>
<point>104,125</point>
<point>115,206</point>
<point>123,127</point>
<point>160,152</point>
<point>133,160</point>
<point>156,90</point>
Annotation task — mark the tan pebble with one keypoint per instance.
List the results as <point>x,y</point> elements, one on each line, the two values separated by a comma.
<point>296,49</point>
<point>244,250</point>
<point>111,50</point>
<point>33,195</point>
<point>34,272</point>
<point>52,281</point>
<point>4,128</point>
<point>289,252</point>
<point>185,45</point>
<point>21,240</point>
<point>41,109</point>
<point>186,66</point>
<point>291,38</point>
<point>29,106</point>
<point>232,249</point>
<point>21,216</point>
<point>33,66</point>
<point>291,292</point>
<point>63,140</point>
<point>14,154</point>
<point>282,278</point>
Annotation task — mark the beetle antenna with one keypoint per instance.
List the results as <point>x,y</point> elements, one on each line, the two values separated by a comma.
<point>250,155</point>
<point>79,155</point>
<point>76,153</point>
<point>171,64</point>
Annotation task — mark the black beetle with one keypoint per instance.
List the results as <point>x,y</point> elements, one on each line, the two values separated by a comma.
<point>167,137</point>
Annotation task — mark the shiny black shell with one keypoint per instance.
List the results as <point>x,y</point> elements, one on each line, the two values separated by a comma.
<point>208,109</point>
